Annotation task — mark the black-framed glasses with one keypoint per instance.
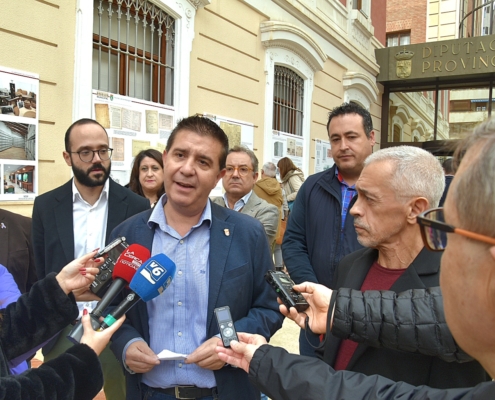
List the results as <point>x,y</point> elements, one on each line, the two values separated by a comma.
<point>88,155</point>
<point>242,170</point>
<point>434,230</point>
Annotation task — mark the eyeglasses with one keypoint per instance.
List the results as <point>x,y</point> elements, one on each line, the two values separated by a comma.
<point>88,155</point>
<point>242,170</point>
<point>434,230</point>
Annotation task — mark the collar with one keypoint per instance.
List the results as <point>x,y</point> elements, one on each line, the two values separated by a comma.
<point>76,196</point>
<point>158,217</point>
<point>341,178</point>
<point>239,203</point>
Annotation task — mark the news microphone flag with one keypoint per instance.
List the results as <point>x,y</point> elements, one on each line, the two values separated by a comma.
<point>151,280</point>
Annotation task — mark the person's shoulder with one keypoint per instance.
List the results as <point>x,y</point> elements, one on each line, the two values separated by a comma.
<point>231,216</point>
<point>355,255</point>
<point>58,193</point>
<point>119,190</point>
<point>218,200</point>
<point>14,217</point>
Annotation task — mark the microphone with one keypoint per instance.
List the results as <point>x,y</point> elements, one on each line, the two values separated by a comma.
<point>151,280</point>
<point>125,268</point>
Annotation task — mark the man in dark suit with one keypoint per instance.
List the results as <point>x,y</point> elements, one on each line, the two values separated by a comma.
<point>16,251</point>
<point>221,257</point>
<point>395,186</point>
<point>78,217</point>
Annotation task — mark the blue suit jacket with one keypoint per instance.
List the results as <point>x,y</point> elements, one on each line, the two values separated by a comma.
<point>239,258</point>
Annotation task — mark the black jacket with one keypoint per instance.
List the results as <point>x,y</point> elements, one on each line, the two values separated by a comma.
<point>53,223</point>
<point>384,318</point>
<point>34,318</point>
<point>416,369</point>
<point>284,376</point>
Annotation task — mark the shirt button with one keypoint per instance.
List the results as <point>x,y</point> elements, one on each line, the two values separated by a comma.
<point>180,272</point>
<point>180,365</point>
<point>181,241</point>
<point>179,334</point>
<point>179,303</point>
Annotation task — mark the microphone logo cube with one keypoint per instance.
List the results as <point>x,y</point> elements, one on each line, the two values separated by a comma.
<point>153,272</point>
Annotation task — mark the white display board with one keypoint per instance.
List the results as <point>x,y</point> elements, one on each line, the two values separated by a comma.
<point>132,125</point>
<point>240,133</point>
<point>19,124</point>
<point>323,155</point>
<point>288,145</point>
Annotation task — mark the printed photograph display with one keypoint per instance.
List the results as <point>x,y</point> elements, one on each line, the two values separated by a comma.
<point>19,102</point>
<point>132,125</point>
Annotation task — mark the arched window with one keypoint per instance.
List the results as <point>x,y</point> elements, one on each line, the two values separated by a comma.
<point>288,101</point>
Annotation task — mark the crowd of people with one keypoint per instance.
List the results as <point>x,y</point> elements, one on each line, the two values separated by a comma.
<point>396,311</point>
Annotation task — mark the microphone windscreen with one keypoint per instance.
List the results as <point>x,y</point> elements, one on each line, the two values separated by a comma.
<point>154,276</point>
<point>129,262</point>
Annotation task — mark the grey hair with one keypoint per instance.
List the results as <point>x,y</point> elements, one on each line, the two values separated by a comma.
<point>270,169</point>
<point>417,172</point>
<point>474,190</point>
<point>250,153</point>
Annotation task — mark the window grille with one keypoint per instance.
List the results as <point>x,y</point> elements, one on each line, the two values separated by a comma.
<point>288,100</point>
<point>133,50</point>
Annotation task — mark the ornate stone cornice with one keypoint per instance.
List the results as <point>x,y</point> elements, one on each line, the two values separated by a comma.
<point>199,3</point>
<point>290,37</point>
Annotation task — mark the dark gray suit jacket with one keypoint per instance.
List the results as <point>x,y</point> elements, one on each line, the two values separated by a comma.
<point>53,226</point>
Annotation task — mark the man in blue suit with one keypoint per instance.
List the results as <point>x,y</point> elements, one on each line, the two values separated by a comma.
<point>221,257</point>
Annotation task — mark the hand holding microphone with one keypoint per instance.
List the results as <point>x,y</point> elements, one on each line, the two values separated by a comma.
<point>125,268</point>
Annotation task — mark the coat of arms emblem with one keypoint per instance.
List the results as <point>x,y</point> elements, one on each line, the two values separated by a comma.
<point>404,63</point>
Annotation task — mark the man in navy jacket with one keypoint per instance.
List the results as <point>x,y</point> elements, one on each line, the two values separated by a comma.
<point>320,230</point>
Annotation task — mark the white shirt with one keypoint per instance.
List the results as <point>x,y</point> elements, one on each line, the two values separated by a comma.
<point>90,227</point>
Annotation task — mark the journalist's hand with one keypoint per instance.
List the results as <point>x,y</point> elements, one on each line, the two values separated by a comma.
<point>241,353</point>
<point>79,273</point>
<point>318,297</point>
<point>98,340</point>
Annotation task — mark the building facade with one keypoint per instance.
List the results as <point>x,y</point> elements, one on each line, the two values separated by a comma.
<point>267,71</point>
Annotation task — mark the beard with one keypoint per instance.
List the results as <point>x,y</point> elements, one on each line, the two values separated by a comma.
<point>84,178</point>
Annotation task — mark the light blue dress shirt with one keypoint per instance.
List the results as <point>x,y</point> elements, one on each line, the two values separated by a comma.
<point>177,318</point>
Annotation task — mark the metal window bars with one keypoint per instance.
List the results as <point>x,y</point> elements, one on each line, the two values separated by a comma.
<point>133,50</point>
<point>288,100</point>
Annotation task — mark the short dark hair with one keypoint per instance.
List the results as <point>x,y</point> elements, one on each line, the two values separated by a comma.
<point>448,166</point>
<point>203,126</point>
<point>250,153</point>
<point>134,183</point>
<point>352,108</point>
<point>82,121</point>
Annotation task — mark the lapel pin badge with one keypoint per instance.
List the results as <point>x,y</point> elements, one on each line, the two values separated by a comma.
<point>4,227</point>
<point>227,232</point>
